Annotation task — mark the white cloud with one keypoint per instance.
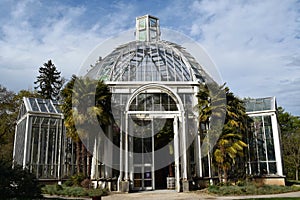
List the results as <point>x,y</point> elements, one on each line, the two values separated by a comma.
<point>255,44</point>
<point>252,42</point>
<point>25,46</point>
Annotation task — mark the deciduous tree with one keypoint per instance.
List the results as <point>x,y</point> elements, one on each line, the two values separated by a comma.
<point>290,135</point>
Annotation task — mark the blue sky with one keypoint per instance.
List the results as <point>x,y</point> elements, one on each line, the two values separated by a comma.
<point>254,44</point>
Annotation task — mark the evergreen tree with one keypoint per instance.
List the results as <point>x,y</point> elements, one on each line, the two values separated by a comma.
<point>49,82</point>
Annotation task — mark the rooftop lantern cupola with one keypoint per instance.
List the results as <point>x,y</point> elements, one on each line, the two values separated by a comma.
<point>147,28</point>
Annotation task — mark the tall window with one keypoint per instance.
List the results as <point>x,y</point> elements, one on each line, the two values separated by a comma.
<point>261,144</point>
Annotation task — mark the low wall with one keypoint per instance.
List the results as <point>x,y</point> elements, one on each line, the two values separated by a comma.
<point>270,180</point>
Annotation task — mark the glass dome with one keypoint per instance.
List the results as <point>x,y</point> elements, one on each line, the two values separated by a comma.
<point>141,61</point>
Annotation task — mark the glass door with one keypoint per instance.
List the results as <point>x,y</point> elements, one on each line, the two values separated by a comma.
<point>143,162</point>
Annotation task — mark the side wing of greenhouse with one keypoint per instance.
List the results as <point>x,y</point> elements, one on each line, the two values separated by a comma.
<point>40,143</point>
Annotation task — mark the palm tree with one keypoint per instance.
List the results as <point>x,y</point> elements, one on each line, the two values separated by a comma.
<point>229,135</point>
<point>231,143</point>
<point>211,109</point>
<point>83,100</point>
<point>67,109</point>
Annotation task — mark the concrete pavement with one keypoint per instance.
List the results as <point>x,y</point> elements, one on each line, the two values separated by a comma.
<point>170,194</point>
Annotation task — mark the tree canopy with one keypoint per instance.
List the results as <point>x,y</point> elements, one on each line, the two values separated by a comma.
<point>290,137</point>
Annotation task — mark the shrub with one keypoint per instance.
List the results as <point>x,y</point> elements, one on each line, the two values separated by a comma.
<point>68,182</point>
<point>213,189</point>
<point>73,191</point>
<point>240,183</point>
<point>77,179</point>
<point>250,189</point>
<point>97,192</point>
<point>86,183</point>
<point>49,189</point>
<point>17,182</point>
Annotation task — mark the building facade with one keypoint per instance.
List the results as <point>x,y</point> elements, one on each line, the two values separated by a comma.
<point>153,82</point>
<point>155,141</point>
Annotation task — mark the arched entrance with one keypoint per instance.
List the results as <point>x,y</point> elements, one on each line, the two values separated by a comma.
<point>154,116</point>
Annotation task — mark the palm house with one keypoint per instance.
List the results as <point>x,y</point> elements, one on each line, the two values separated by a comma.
<point>154,85</point>
<point>154,142</point>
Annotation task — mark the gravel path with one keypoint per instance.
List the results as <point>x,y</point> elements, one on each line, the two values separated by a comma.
<point>169,194</point>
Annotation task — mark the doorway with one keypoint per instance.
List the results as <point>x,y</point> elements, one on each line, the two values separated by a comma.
<point>149,173</point>
<point>152,119</point>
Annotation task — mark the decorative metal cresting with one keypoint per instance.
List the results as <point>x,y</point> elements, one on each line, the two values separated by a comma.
<point>154,84</point>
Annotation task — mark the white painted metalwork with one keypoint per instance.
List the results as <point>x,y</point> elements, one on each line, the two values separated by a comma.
<point>39,139</point>
<point>264,157</point>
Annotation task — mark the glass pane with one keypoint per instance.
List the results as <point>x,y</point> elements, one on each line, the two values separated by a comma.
<point>147,144</point>
<point>147,175</point>
<point>137,145</point>
<point>153,23</point>
<point>272,168</point>
<point>142,36</point>
<point>153,35</point>
<point>271,151</point>
<point>50,107</point>
<point>261,150</point>
<point>263,168</point>
<point>268,127</point>
<point>35,135</point>
<point>124,98</point>
<point>259,104</point>
<point>205,167</point>
<point>148,183</point>
<point>137,175</point>
<point>254,168</point>
<point>42,105</point>
<point>33,104</point>
<point>253,150</point>
<point>142,23</point>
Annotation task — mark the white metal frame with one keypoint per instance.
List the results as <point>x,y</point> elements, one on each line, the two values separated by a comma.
<point>178,116</point>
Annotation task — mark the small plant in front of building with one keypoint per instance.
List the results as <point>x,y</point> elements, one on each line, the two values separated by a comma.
<point>73,191</point>
<point>250,188</point>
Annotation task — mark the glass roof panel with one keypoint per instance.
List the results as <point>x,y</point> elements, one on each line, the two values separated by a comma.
<point>43,105</point>
<point>50,106</point>
<point>34,104</point>
<point>260,104</point>
<point>148,61</point>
